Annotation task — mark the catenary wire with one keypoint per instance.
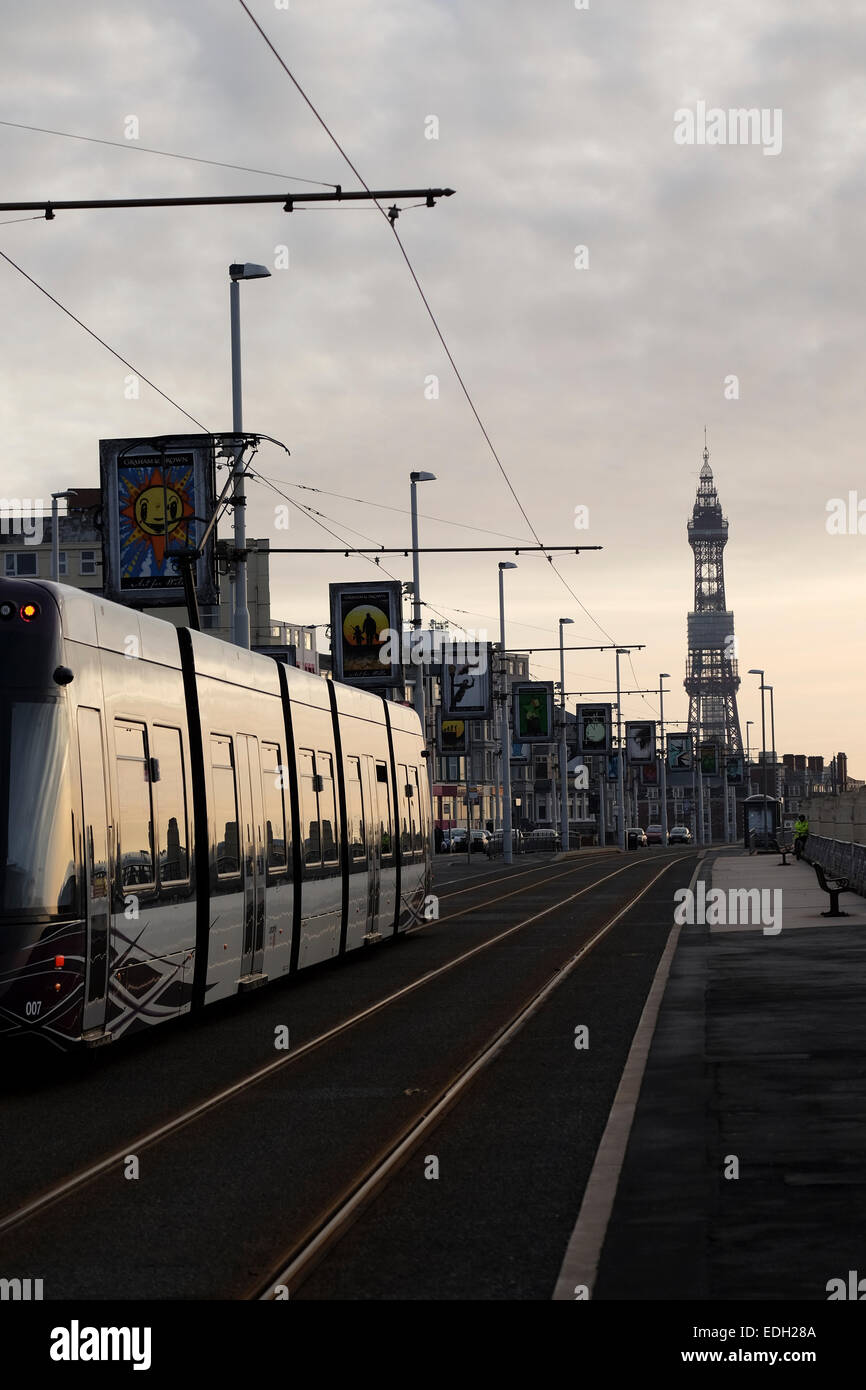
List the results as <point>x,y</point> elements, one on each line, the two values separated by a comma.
<point>102,341</point>
<point>167,154</point>
<point>427,306</point>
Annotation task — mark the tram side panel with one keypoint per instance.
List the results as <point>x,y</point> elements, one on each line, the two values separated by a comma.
<point>150,830</point>
<point>413,816</point>
<point>321,831</point>
<point>248,889</point>
<point>371,858</point>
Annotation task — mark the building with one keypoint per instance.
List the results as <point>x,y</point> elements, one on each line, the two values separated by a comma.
<point>26,546</point>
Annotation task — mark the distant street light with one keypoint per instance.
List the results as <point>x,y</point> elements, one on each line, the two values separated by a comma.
<point>620,791</point>
<point>240,616</point>
<point>418,694</point>
<point>664,676</point>
<point>754,671</point>
<point>55,531</point>
<point>506,736</point>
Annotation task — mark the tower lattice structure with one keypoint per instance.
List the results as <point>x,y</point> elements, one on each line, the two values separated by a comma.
<point>711,680</point>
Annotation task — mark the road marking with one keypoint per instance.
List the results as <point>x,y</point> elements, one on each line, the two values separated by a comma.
<point>582,1255</point>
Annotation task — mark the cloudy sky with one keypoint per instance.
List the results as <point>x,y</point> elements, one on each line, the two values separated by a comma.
<point>556,128</point>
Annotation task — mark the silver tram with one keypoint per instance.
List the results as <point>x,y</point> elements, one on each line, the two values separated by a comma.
<point>182,820</point>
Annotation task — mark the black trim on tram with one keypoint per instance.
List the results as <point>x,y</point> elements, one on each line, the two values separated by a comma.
<point>200,822</point>
<point>395,821</point>
<point>344,840</point>
<point>297,828</point>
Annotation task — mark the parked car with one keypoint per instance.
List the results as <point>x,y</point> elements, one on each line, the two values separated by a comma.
<point>542,839</point>
<point>458,842</point>
<point>480,841</point>
<point>679,835</point>
<point>635,835</point>
<point>655,835</point>
<point>445,843</point>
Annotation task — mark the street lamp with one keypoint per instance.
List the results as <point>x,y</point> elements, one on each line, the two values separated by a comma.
<point>663,676</point>
<point>754,671</point>
<point>620,791</point>
<point>506,738</point>
<point>415,479</point>
<point>563,759</point>
<point>240,615</point>
<point>772,737</point>
<point>55,531</point>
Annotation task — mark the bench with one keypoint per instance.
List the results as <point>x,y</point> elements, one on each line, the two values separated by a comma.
<point>785,850</point>
<point>833,886</point>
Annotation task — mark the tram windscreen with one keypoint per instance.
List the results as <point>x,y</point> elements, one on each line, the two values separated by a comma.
<point>37,868</point>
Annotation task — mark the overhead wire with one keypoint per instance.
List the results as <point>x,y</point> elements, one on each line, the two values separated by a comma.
<point>427,306</point>
<point>102,342</point>
<point>167,154</point>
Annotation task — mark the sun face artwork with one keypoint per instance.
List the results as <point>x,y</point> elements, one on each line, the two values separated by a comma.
<point>157,505</point>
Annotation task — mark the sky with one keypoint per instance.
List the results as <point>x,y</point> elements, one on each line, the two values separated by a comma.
<point>719,287</point>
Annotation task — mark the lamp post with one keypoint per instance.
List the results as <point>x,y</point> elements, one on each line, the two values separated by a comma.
<point>772,739</point>
<point>563,758</point>
<point>749,723</point>
<point>240,614</point>
<point>55,531</point>
<point>418,695</point>
<point>506,738</point>
<point>664,676</point>
<point>620,651</point>
<point>754,671</point>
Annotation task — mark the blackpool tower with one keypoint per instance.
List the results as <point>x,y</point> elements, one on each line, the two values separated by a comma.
<point>711,669</point>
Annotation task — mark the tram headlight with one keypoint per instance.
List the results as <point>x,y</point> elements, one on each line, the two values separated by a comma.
<point>29,611</point>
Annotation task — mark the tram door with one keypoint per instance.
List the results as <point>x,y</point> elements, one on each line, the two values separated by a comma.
<point>97,870</point>
<point>374,848</point>
<point>251,812</point>
<point>384,834</point>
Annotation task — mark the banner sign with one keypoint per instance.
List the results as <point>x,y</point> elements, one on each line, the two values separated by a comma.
<point>533,712</point>
<point>640,741</point>
<point>364,618</point>
<point>157,499</point>
<point>613,767</point>
<point>650,774</point>
<point>735,771</point>
<point>467,692</point>
<point>453,736</point>
<point>593,729</point>
<point>709,760</point>
<point>680,752</point>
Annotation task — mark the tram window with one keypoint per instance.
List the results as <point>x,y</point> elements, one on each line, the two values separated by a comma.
<point>225,806</point>
<point>134,798</point>
<point>171,806</point>
<point>272,778</point>
<point>309,807</point>
<point>405,808</point>
<point>417,813</point>
<point>328,809</point>
<point>383,794</point>
<point>356,829</point>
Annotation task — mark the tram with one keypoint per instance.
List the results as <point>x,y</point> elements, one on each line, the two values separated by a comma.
<point>182,820</point>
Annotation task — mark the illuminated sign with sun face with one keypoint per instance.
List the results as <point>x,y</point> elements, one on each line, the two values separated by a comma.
<point>155,504</point>
<point>156,508</point>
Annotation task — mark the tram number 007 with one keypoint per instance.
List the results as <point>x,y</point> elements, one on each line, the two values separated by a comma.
<point>32,1007</point>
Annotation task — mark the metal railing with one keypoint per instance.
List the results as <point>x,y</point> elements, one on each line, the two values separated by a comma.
<point>841,859</point>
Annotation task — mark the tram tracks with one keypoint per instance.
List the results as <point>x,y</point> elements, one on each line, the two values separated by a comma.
<point>59,1192</point>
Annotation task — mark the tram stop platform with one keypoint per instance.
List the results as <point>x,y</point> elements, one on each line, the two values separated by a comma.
<point>733,1165</point>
